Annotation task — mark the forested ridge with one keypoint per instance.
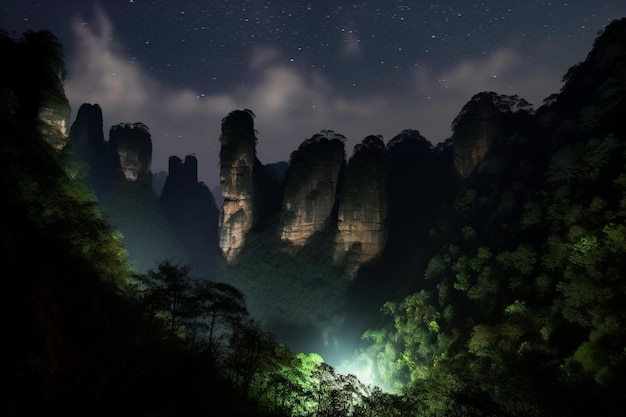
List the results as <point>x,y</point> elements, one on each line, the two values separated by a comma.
<point>515,307</point>
<point>522,307</point>
<point>88,335</point>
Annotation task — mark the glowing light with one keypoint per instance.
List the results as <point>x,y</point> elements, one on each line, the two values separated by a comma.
<point>361,366</point>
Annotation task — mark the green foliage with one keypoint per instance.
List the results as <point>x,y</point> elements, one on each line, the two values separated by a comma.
<point>528,279</point>
<point>522,312</point>
<point>302,289</point>
<point>89,337</point>
<point>522,260</point>
<point>518,307</point>
<point>198,312</point>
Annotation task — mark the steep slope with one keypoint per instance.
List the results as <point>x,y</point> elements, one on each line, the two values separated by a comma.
<point>100,161</point>
<point>311,187</point>
<point>190,209</point>
<point>34,73</point>
<point>486,118</point>
<point>64,270</point>
<point>237,165</point>
<point>522,308</point>
<point>118,172</point>
<point>133,145</point>
<point>362,200</point>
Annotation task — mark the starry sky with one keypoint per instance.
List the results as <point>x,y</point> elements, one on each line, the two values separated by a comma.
<point>355,67</point>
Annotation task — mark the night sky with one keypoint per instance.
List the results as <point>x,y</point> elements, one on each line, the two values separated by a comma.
<point>358,67</point>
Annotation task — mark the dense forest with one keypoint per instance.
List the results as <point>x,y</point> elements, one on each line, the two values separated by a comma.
<point>500,291</point>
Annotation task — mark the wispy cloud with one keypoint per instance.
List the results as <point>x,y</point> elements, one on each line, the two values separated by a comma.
<point>351,48</point>
<point>291,105</point>
<point>501,71</point>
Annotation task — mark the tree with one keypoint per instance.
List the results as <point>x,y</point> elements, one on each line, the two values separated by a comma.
<point>187,305</point>
<point>168,293</point>
<point>219,307</point>
<point>251,350</point>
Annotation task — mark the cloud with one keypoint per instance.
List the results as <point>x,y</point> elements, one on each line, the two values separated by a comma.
<point>442,96</point>
<point>290,104</point>
<point>502,72</point>
<point>473,76</point>
<point>264,55</point>
<point>181,121</point>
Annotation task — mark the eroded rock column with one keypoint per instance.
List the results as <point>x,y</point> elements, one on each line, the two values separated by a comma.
<point>362,209</point>
<point>311,186</point>
<point>237,161</point>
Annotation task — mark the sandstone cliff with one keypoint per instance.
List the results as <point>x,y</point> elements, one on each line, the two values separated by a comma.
<point>40,71</point>
<point>55,121</point>
<point>362,206</point>
<point>87,139</point>
<point>311,186</point>
<point>133,145</point>
<point>485,118</point>
<point>118,171</point>
<point>237,165</point>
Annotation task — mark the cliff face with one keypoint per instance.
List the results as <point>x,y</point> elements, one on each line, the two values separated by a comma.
<point>55,122</point>
<point>118,171</point>
<point>189,208</point>
<point>311,186</point>
<point>411,169</point>
<point>362,206</point>
<point>485,118</point>
<point>133,145</point>
<point>86,132</point>
<point>237,165</point>
<point>33,70</point>
<point>87,138</point>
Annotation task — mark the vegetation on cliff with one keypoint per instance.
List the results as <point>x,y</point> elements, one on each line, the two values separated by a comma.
<point>508,284</point>
<point>521,310</point>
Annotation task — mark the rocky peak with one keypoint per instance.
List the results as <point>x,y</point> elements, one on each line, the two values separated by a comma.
<point>189,207</point>
<point>133,145</point>
<point>183,172</point>
<point>237,165</point>
<point>87,128</point>
<point>86,134</point>
<point>362,205</point>
<point>482,120</point>
<point>87,138</point>
<point>311,186</point>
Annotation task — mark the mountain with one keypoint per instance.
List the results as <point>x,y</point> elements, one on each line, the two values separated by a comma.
<point>118,172</point>
<point>311,187</point>
<point>133,145</point>
<point>190,210</point>
<point>237,172</point>
<point>521,307</point>
<point>498,288</point>
<point>362,212</point>
<point>181,223</point>
<point>60,259</point>
<point>35,78</point>
<point>485,119</point>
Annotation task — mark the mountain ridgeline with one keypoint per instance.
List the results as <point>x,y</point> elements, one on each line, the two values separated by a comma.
<point>366,201</point>
<point>333,237</point>
<point>320,193</point>
<point>482,276</point>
